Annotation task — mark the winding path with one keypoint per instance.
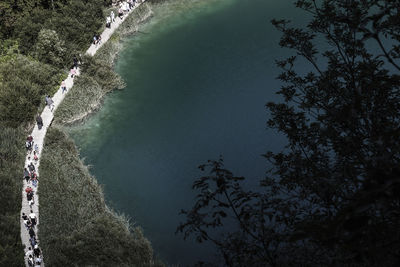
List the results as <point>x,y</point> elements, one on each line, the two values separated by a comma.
<point>39,135</point>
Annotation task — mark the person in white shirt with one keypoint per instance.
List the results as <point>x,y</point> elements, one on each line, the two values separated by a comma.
<point>38,261</point>
<point>112,16</point>
<point>30,260</point>
<point>32,216</point>
<point>108,22</point>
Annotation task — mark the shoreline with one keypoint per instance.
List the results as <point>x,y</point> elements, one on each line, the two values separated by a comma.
<point>108,54</point>
<point>39,136</point>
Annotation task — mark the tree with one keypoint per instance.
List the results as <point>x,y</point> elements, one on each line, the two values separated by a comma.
<point>23,84</point>
<point>332,195</point>
<point>49,48</point>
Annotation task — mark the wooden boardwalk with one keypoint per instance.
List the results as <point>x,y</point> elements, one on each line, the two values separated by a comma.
<point>39,136</point>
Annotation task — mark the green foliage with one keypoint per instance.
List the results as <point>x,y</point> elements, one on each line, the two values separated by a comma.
<point>49,48</point>
<point>11,159</point>
<point>74,22</point>
<point>76,227</point>
<point>27,28</point>
<point>332,195</point>
<point>79,20</point>
<point>11,11</point>
<point>38,39</point>
<point>9,49</point>
<point>22,88</point>
<point>97,75</point>
<point>97,79</point>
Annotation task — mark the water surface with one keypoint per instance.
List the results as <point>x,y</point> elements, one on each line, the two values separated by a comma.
<point>197,81</point>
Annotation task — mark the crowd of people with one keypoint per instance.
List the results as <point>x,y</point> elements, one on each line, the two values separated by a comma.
<point>33,254</point>
<point>124,7</point>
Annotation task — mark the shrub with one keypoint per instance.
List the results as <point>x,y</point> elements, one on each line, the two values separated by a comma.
<point>11,163</point>
<point>50,48</point>
<point>23,84</point>
<point>76,227</point>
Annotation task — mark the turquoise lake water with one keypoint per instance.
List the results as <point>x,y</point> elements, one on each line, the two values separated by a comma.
<point>198,79</point>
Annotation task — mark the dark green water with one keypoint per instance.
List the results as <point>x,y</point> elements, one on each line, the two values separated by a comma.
<point>197,83</point>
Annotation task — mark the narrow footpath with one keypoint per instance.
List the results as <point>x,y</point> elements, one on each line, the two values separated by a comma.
<point>39,136</point>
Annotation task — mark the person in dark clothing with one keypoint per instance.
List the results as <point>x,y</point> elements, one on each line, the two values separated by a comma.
<point>26,175</point>
<point>39,121</point>
<point>33,242</point>
<point>32,232</point>
<point>29,196</point>
<point>30,261</point>
<point>28,224</point>
<point>31,167</point>
<point>75,62</point>
<point>36,251</point>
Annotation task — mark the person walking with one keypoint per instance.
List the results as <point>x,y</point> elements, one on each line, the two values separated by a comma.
<point>75,60</point>
<point>63,87</point>
<point>31,167</point>
<point>36,251</point>
<point>34,179</point>
<point>36,149</point>
<point>25,218</point>
<point>28,224</point>
<point>38,261</point>
<point>33,242</point>
<point>29,196</point>
<point>99,39</point>
<point>50,103</point>
<point>32,232</point>
<point>112,16</point>
<point>30,261</point>
<point>30,203</point>
<point>108,22</point>
<point>39,121</point>
<point>28,190</point>
<point>120,12</point>
<point>27,176</point>
<point>32,217</point>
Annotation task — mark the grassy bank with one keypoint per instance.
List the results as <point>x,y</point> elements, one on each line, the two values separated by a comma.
<point>97,75</point>
<point>37,42</point>
<point>12,156</point>
<point>76,227</point>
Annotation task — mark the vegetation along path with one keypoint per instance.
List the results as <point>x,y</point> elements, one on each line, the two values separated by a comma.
<point>39,135</point>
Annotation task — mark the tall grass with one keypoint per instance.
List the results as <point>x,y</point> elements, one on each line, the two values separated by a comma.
<point>12,157</point>
<point>97,75</point>
<point>76,226</point>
